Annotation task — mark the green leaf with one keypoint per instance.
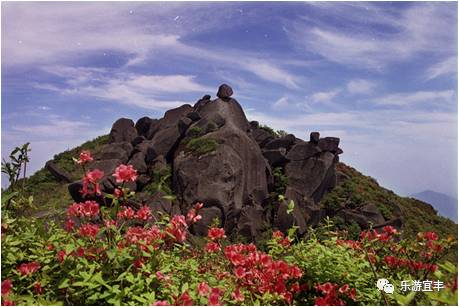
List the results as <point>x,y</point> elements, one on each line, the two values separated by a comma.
<point>290,207</point>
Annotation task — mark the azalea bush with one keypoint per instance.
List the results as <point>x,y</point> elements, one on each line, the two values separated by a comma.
<point>111,252</point>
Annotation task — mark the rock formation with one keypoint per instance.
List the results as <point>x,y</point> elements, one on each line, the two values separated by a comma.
<point>211,153</point>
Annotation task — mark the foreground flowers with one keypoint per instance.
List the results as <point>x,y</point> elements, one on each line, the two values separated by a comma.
<point>120,252</point>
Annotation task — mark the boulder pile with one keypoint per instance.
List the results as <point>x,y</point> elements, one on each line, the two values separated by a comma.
<point>211,153</point>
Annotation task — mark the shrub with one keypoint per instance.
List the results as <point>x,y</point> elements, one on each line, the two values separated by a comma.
<point>202,145</point>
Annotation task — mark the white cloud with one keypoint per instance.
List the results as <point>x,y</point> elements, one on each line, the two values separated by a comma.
<point>445,67</point>
<point>402,99</point>
<point>281,103</point>
<point>324,97</point>
<point>360,86</point>
<point>55,34</point>
<point>126,88</point>
<point>271,73</point>
<point>413,30</point>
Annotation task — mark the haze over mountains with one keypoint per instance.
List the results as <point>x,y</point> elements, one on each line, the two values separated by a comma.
<point>444,204</point>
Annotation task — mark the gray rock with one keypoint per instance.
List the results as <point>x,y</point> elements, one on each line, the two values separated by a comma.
<point>138,162</point>
<point>314,137</point>
<point>285,142</point>
<point>120,151</point>
<point>143,125</point>
<point>329,144</point>
<point>275,157</point>
<point>302,151</point>
<point>224,91</point>
<point>123,130</point>
<point>58,173</point>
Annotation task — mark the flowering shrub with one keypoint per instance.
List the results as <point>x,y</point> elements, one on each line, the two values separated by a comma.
<point>114,254</point>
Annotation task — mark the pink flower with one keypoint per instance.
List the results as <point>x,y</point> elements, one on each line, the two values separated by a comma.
<point>184,300</point>
<point>203,288</point>
<point>8,303</point>
<point>144,213</point>
<point>89,208</point>
<point>161,303</point>
<point>126,213</point>
<point>89,230</point>
<point>92,178</point>
<point>239,272</point>
<point>7,285</point>
<point>216,233</point>
<point>212,247</point>
<point>389,230</point>
<point>69,224</point>
<point>118,193</point>
<point>124,173</point>
<point>28,268</point>
<point>430,236</point>
<point>214,297</point>
<point>237,295</point>
<point>85,157</point>
<point>159,275</point>
<point>192,217</point>
<point>60,256</point>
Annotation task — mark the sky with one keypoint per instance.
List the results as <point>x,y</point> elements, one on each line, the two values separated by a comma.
<point>382,76</point>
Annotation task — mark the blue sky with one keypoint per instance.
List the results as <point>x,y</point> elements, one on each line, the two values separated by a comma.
<point>382,76</point>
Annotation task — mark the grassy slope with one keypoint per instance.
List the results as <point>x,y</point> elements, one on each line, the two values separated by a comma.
<point>51,197</point>
<point>417,215</point>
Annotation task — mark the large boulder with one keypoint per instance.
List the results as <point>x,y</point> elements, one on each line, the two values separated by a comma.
<point>123,130</point>
<point>58,173</point>
<point>231,175</point>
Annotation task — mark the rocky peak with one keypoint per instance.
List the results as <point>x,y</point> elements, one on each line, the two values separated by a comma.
<point>216,156</point>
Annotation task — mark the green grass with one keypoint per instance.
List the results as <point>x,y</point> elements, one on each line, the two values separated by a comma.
<point>202,145</point>
<point>51,196</point>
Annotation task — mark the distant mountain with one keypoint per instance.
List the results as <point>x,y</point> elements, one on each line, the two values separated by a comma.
<point>444,204</point>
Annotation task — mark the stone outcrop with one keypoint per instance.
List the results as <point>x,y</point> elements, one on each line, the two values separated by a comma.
<point>211,153</point>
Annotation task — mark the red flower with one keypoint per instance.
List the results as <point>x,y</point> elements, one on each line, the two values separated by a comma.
<point>7,285</point>
<point>184,300</point>
<point>38,288</point>
<point>89,230</point>
<point>161,303</point>
<point>352,294</point>
<point>212,247</point>
<point>92,178</point>
<point>192,217</point>
<point>61,256</point>
<point>85,157</point>
<point>143,213</point>
<point>124,173</point>
<point>430,236</point>
<point>239,272</point>
<point>214,297</point>
<point>159,275</point>
<point>118,193</point>
<point>126,213</point>
<point>237,295</point>
<point>69,224</point>
<point>216,233</point>
<point>391,261</point>
<point>389,230</point>
<point>177,228</point>
<point>28,268</point>
<point>89,208</point>
<point>203,288</point>
<point>8,303</point>
<point>138,263</point>
<point>344,288</point>
<point>109,223</point>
